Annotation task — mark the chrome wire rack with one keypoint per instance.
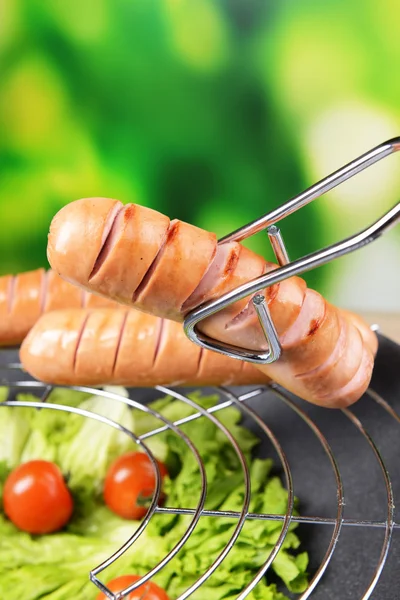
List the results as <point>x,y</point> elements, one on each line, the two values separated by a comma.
<point>324,456</point>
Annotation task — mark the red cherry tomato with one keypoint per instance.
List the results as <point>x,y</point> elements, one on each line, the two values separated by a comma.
<point>131,477</point>
<point>150,590</point>
<point>36,498</point>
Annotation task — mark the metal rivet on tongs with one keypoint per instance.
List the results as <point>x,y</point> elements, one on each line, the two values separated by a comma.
<point>259,301</point>
<point>286,268</point>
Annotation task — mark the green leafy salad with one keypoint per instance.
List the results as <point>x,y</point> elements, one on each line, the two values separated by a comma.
<point>56,566</point>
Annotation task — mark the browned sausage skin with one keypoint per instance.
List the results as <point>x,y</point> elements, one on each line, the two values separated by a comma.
<point>24,297</point>
<point>97,242</point>
<point>124,347</point>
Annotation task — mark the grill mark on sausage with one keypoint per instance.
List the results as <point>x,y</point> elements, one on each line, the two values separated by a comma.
<point>248,306</point>
<point>169,235</point>
<point>187,301</point>
<point>78,341</point>
<point>187,306</point>
<point>334,358</point>
<point>316,323</point>
<point>232,262</point>
<point>160,334</point>
<point>44,284</point>
<point>11,293</point>
<point>314,326</point>
<point>119,342</point>
<point>271,291</point>
<point>113,223</point>
<point>173,230</point>
<point>200,362</point>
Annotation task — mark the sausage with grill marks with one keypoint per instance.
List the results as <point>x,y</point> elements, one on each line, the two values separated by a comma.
<point>124,347</point>
<point>181,266</point>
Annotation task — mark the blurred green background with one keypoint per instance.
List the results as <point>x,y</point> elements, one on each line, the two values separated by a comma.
<point>212,111</point>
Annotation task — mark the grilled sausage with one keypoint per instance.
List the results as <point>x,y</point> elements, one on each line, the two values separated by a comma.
<point>124,347</point>
<point>136,256</point>
<point>24,297</point>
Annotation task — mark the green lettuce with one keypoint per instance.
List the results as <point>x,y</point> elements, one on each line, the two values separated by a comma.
<point>56,567</point>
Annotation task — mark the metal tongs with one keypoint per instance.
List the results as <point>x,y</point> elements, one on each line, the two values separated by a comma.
<point>289,269</point>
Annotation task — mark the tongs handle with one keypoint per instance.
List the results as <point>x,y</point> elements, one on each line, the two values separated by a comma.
<point>296,267</point>
<point>315,191</point>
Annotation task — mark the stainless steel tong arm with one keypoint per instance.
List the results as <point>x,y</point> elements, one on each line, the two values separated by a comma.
<point>289,269</point>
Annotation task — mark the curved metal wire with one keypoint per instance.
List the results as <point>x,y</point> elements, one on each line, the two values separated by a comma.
<point>289,485</point>
<point>339,489</point>
<point>382,402</point>
<point>247,493</point>
<point>390,507</point>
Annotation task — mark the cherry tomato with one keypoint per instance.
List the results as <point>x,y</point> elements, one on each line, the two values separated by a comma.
<point>36,498</point>
<point>130,479</point>
<point>150,590</point>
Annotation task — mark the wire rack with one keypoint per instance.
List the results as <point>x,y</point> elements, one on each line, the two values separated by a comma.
<point>260,407</point>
